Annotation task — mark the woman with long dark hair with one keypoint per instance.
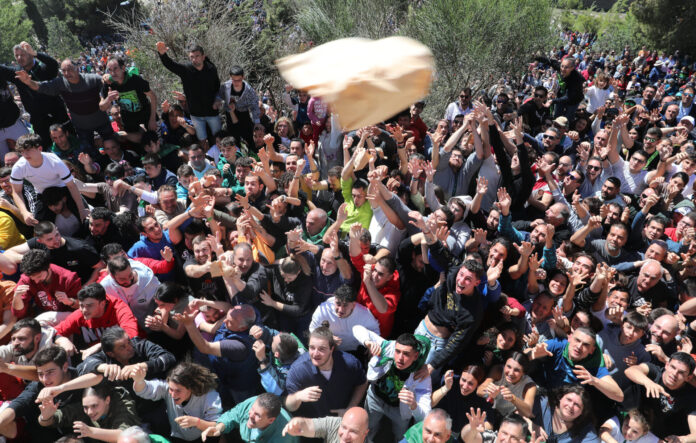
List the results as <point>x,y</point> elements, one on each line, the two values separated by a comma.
<point>510,388</point>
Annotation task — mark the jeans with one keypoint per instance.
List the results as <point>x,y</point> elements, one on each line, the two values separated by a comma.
<point>436,343</point>
<point>567,111</point>
<point>199,123</point>
<point>377,408</point>
<point>86,137</point>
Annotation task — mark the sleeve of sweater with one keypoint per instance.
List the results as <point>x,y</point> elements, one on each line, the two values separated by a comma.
<point>176,68</point>
<point>159,360</point>
<point>154,390</point>
<point>50,63</point>
<point>125,318</point>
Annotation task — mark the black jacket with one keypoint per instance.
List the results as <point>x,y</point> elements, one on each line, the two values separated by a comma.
<point>45,68</point>
<point>200,87</point>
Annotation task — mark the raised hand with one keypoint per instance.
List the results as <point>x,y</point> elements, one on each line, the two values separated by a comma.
<point>504,201</point>
<point>162,48</point>
<point>481,185</point>
<point>477,419</point>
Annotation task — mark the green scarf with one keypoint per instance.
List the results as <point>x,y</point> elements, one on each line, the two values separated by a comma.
<point>593,361</point>
<point>315,239</point>
<point>391,383</point>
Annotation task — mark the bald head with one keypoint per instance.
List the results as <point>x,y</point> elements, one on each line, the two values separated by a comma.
<point>240,318</point>
<point>354,426</point>
<point>316,221</point>
<point>664,329</point>
<point>649,275</point>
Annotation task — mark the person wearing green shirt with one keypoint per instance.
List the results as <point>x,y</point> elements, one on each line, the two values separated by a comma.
<point>437,427</point>
<point>357,208</point>
<point>260,419</point>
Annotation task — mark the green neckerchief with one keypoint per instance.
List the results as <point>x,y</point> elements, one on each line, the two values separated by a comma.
<point>391,383</point>
<point>415,434</point>
<point>74,144</point>
<point>593,361</point>
<point>317,238</point>
<point>277,363</point>
<point>650,159</point>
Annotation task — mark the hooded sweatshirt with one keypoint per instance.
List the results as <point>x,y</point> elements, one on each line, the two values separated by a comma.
<point>139,297</point>
<point>391,292</point>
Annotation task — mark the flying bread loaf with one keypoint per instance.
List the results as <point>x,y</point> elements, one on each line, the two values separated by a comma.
<point>365,81</point>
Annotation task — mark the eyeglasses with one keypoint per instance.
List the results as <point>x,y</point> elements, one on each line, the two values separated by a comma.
<point>593,168</point>
<point>650,139</point>
<point>464,96</point>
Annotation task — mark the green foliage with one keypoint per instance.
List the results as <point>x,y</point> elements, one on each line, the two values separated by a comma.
<point>38,22</point>
<point>61,42</point>
<point>83,17</point>
<point>617,32</point>
<point>325,20</point>
<point>226,34</point>
<point>666,24</point>
<point>477,42</point>
<point>14,28</point>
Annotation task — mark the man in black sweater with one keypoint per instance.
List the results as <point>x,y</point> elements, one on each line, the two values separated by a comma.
<point>570,83</point>
<point>201,84</point>
<point>44,109</point>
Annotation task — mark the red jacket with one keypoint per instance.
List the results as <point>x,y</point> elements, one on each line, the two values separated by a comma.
<point>391,292</point>
<point>116,313</point>
<point>42,296</point>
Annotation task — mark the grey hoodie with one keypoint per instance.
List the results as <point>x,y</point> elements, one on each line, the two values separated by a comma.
<point>141,300</point>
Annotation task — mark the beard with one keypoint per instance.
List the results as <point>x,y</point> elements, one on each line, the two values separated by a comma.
<point>18,352</point>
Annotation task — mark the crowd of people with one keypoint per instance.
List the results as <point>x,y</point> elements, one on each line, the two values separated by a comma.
<point>213,268</point>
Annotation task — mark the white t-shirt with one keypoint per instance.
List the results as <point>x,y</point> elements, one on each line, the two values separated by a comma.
<point>343,327</point>
<point>52,172</point>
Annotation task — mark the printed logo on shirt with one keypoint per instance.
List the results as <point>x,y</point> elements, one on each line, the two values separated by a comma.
<point>91,335</point>
<point>72,262</point>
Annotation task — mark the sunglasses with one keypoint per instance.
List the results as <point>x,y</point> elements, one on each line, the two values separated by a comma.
<point>593,168</point>
<point>650,139</point>
<point>548,136</point>
<point>464,96</point>
<point>113,179</point>
<point>573,178</point>
<point>688,95</point>
<point>539,96</point>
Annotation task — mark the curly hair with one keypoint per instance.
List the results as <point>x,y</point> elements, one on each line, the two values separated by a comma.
<point>194,377</point>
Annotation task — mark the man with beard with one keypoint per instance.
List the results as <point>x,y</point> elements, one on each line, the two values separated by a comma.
<point>462,107</point>
<point>324,379</point>
<point>662,340</point>
<point>17,357</point>
<point>169,205</point>
<point>45,289</point>
<point>611,250</point>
